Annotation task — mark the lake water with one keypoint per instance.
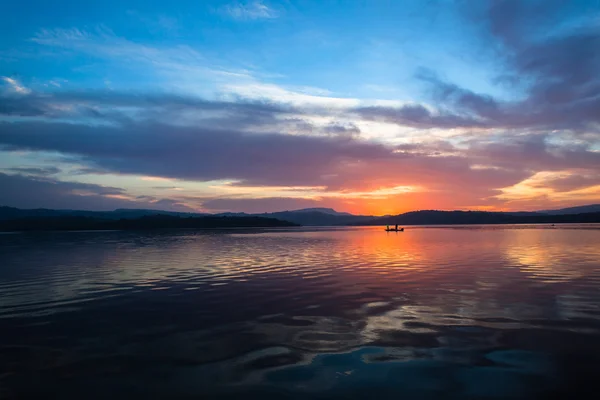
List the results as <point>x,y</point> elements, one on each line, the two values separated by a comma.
<point>438,312</point>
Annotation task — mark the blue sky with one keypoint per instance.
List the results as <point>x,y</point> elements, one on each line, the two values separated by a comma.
<point>319,44</point>
<point>465,85</point>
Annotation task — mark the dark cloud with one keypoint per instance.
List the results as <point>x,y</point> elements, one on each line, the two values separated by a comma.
<point>548,107</point>
<point>123,108</point>
<point>342,129</point>
<point>143,197</point>
<point>23,106</point>
<point>434,148</point>
<point>83,170</point>
<point>477,105</point>
<point>45,171</point>
<point>514,22</point>
<point>192,153</point>
<point>171,205</point>
<point>532,152</point>
<point>565,92</point>
<point>30,192</point>
<point>417,116</point>
<point>556,66</point>
<point>578,180</point>
<point>164,187</point>
<point>337,163</point>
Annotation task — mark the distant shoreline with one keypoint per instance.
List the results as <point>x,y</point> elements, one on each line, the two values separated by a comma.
<point>478,218</point>
<point>313,228</point>
<point>14,219</point>
<point>155,222</point>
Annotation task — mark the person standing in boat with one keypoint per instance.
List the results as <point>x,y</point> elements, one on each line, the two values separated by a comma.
<point>387,227</point>
<point>396,226</point>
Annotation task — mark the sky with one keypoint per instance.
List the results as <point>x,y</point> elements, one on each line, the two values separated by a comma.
<point>370,107</point>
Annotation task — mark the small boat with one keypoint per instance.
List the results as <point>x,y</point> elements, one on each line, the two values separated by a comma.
<point>395,230</point>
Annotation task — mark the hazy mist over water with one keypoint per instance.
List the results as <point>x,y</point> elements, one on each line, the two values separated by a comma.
<point>432,312</point>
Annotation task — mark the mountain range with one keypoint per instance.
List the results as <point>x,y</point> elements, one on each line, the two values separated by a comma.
<point>331,217</point>
<point>76,223</point>
<point>573,210</point>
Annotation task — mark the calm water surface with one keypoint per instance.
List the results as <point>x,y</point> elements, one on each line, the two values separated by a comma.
<point>440,312</point>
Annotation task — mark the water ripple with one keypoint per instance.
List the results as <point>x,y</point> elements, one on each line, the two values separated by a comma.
<point>443,310</point>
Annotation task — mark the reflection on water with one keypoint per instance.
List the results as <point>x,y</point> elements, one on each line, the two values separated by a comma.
<point>472,312</point>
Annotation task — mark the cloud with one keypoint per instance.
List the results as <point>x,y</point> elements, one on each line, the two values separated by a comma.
<point>342,129</point>
<point>35,192</point>
<point>187,70</point>
<point>166,187</point>
<point>515,22</point>
<point>295,115</point>
<point>46,171</point>
<point>23,106</point>
<point>417,116</point>
<point>555,64</point>
<point>261,143</point>
<point>533,152</point>
<point>271,92</point>
<point>333,157</point>
<point>568,182</point>
<point>181,65</point>
<point>14,86</point>
<point>103,42</point>
<point>108,107</point>
<point>337,164</point>
<point>190,153</point>
<point>251,10</point>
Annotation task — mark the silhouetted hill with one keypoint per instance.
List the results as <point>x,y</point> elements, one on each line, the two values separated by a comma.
<point>12,213</point>
<point>310,216</point>
<point>317,218</point>
<point>574,210</point>
<point>69,223</point>
<point>234,214</point>
<point>323,210</point>
<point>523,213</point>
<point>431,217</point>
<point>140,212</point>
<point>322,216</point>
